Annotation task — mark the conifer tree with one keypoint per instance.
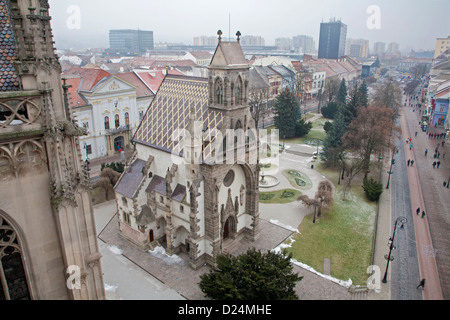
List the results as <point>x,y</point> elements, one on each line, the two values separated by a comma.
<point>341,98</point>
<point>287,113</point>
<point>251,276</point>
<point>351,108</point>
<point>332,147</point>
<point>364,94</point>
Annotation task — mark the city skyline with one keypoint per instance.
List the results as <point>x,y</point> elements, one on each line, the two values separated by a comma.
<point>413,24</point>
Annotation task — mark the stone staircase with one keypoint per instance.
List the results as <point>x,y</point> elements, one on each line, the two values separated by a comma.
<point>231,246</point>
<point>359,292</point>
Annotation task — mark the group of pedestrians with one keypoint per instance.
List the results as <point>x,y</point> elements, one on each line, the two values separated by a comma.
<point>437,135</point>
<point>436,164</point>
<point>418,212</point>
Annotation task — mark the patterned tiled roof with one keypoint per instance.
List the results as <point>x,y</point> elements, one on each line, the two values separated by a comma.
<point>9,81</point>
<point>170,110</point>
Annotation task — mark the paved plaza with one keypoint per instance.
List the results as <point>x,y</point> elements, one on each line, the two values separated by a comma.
<point>176,280</point>
<point>132,273</point>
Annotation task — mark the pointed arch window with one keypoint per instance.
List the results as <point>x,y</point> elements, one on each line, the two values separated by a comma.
<point>13,281</point>
<point>238,91</point>
<point>237,99</point>
<point>219,92</point>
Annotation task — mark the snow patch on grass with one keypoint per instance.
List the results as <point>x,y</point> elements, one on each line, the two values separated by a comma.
<point>279,249</point>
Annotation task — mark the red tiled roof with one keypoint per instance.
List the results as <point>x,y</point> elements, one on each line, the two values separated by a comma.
<point>90,77</point>
<point>75,98</point>
<point>141,88</point>
<point>154,78</point>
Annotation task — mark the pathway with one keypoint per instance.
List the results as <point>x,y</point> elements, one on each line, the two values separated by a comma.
<point>425,249</point>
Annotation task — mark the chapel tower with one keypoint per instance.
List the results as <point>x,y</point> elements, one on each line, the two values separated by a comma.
<point>48,241</point>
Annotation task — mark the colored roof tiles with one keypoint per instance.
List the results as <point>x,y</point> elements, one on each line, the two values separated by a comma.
<point>170,110</point>
<point>9,80</point>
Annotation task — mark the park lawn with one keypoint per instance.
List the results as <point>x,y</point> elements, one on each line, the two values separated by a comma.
<point>316,133</point>
<point>277,196</point>
<point>344,234</point>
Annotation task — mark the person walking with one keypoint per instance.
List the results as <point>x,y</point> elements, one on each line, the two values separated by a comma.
<point>409,161</point>
<point>423,214</point>
<point>426,152</point>
<point>434,165</point>
<point>438,164</point>
<point>418,210</point>
<point>412,163</point>
<point>421,284</point>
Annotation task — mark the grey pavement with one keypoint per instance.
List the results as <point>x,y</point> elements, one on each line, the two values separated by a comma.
<point>180,281</point>
<point>436,196</point>
<point>123,279</point>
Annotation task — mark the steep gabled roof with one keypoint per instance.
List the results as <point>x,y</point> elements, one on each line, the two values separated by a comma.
<point>228,54</point>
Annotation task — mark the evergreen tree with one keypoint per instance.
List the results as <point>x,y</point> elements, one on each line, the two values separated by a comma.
<point>351,108</point>
<point>364,94</point>
<point>341,98</point>
<point>251,276</point>
<point>287,113</point>
<point>302,128</point>
<point>330,110</point>
<point>333,147</point>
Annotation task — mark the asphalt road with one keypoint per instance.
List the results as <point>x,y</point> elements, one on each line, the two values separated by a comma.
<point>405,269</point>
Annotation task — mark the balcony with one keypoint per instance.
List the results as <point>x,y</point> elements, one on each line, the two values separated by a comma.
<point>111,132</point>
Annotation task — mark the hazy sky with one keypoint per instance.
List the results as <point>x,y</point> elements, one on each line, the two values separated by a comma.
<point>412,23</point>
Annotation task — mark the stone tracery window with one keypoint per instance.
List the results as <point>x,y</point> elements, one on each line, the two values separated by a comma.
<point>13,282</point>
<point>219,92</point>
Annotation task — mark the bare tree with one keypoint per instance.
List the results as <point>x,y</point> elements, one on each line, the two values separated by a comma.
<point>258,104</point>
<point>353,166</point>
<point>322,199</point>
<point>388,94</point>
<point>331,88</point>
<point>107,181</point>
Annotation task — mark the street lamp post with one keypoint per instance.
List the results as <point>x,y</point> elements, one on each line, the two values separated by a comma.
<point>389,256</point>
<point>390,170</point>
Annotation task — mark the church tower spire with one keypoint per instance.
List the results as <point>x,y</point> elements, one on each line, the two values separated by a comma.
<point>45,189</point>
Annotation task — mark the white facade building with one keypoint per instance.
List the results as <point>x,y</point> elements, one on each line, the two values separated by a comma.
<point>111,109</point>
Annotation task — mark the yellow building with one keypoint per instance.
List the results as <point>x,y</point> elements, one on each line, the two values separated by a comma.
<point>442,44</point>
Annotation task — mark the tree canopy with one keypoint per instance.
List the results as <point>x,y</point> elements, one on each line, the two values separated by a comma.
<point>372,131</point>
<point>287,113</point>
<point>251,276</point>
<point>388,94</point>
